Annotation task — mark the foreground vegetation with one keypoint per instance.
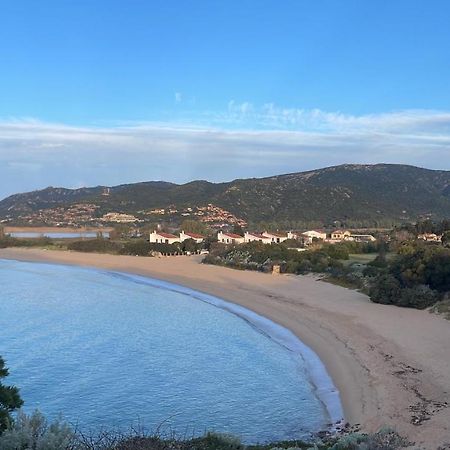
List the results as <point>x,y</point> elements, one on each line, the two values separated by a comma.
<point>34,433</point>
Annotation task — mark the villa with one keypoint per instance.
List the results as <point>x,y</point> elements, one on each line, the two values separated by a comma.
<point>198,238</point>
<point>275,238</point>
<point>308,236</point>
<point>158,237</point>
<point>340,235</point>
<point>255,237</point>
<point>230,238</point>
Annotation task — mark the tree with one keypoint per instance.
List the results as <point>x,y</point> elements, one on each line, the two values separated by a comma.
<point>194,226</point>
<point>9,399</point>
<point>237,229</point>
<point>189,245</point>
<point>446,239</point>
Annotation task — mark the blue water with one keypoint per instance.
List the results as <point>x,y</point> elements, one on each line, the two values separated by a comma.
<point>114,350</point>
<point>56,235</point>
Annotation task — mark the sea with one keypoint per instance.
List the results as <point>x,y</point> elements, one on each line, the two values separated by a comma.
<point>107,350</point>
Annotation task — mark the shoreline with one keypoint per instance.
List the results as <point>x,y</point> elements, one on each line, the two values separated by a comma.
<point>321,382</point>
<point>390,365</point>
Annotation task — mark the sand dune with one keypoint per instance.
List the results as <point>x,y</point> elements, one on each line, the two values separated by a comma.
<point>391,365</point>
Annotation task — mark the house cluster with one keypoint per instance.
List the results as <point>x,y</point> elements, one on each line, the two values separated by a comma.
<point>266,237</point>
<point>217,217</point>
<point>62,216</point>
<point>306,237</point>
<point>210,214</point>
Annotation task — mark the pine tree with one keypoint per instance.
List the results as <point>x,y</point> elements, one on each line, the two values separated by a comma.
<point>9,399</point>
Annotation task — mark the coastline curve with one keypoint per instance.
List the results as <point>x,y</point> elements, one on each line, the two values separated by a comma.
<point>319,378</point>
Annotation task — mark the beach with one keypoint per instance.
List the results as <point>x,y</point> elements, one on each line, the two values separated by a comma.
<point>391,365</point>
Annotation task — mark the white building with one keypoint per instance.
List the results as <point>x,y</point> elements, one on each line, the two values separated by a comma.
<point>198,238</point>
<point>311,234</point>
<point>360,238</point>
<point>340,235</point>
<point>252,237</point>
<point>432,237</point>
<point>119,218</point>
<point>158,237</point>
<point>229,238</point>
<point>275,238</point>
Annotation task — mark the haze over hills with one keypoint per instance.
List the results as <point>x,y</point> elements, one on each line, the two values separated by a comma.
<point>369,194</point>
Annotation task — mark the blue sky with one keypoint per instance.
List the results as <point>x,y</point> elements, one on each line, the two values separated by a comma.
<point>106,92</point>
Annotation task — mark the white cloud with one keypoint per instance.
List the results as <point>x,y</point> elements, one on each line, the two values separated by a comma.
<point>281,140</point>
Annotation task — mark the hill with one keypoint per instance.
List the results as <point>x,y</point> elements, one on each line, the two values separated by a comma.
<point>349,194</point>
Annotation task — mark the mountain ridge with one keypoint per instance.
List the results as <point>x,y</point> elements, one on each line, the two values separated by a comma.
<point>347,192</point>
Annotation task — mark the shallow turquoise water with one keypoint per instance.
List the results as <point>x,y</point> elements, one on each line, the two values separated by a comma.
<point>112,350</point>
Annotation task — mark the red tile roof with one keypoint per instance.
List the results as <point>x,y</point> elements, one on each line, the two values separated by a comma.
<point>259,236</point>
<point>167,235</point>
<point>275,234</point>
<point>194,235</point>
<point>232,235</point>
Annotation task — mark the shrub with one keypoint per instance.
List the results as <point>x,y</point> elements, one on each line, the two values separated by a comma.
<point>385,289</point>
<point>95,246</point>
<point>139,247</point>
<point>34,433</point>
<point>419,297</point>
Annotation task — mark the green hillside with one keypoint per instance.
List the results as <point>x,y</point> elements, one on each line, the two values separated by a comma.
<point>370,194</point>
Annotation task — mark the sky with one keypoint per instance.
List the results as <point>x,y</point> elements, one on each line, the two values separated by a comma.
<point>104,92</point>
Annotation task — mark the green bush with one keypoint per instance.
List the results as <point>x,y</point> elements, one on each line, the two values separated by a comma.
<point>95,246</point>
<point>385,289</point>
<point>138,247</point>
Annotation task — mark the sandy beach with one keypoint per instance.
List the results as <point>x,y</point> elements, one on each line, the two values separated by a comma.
<point>391,365</point>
